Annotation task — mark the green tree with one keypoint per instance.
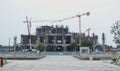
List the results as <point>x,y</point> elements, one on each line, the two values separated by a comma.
<point>40,47</point>
<point>118,46</point>
<point>115,30</point>
<point>0,45</point>
<point>73,45</point>
<point>87,43</point>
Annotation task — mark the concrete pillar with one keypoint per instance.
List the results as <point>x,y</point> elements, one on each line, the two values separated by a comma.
<point>72,40</point>
<point>22,40</point>
<point>54,42</point>
<point>55,39</point>
<point>38,39</point>
<point>15,43</point>
<point>45,39</point>
<point>64,48</point>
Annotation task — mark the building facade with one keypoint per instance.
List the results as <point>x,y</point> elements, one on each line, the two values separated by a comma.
<point>56,38</point>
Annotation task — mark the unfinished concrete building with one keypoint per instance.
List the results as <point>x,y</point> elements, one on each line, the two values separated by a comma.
<point>55,38</point>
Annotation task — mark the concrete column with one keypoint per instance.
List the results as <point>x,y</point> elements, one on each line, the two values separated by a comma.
<point>72,40</point>
<point>63,39</point>
<point>55,39</point>
<point>94,46</point>
<point>46,39</point>
<point>22,40</point>
<point>15,43</point>
<point>38,39</point>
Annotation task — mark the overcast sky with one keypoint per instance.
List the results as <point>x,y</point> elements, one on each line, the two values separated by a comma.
<point>103,13</point>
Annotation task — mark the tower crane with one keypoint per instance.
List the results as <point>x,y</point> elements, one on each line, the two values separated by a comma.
<point>52,21</point>
<point>29,30</point>
<point>28,21</point>
<point>79,17</point>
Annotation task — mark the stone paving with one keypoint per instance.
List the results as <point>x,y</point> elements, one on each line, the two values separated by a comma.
<point>59,63</point>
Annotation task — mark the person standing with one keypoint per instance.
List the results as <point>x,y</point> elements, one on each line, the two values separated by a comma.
<point>1,61</point>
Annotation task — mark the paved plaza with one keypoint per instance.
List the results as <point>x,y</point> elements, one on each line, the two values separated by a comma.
<point>59,63</point>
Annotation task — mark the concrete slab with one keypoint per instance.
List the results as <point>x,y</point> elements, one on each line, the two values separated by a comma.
<point>59,63</point>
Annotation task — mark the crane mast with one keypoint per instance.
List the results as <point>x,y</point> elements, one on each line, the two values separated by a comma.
<point>29,30</point>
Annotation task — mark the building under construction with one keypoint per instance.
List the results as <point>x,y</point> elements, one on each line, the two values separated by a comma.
<point>55,38</point>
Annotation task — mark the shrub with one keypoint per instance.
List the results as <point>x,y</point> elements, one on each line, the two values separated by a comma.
<point>115,58</point>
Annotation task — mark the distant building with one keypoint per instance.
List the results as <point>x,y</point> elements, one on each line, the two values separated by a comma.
<point>56,38</point>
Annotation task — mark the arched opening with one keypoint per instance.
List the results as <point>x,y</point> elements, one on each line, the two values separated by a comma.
<point>72,48</point>
<point>99,48</point>
<point>69,48</point>
<point>59,48</point>
<point>50,48</point>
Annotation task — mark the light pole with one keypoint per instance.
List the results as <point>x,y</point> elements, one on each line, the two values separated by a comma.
<point>15,43</point>
<point>79,17</point>
<point>103,42</point>
<point>9,44</point>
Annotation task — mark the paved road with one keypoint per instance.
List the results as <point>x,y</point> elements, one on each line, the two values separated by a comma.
<point>59,63</point>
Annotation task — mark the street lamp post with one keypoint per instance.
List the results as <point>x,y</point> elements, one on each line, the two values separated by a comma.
<point>80,32</point>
